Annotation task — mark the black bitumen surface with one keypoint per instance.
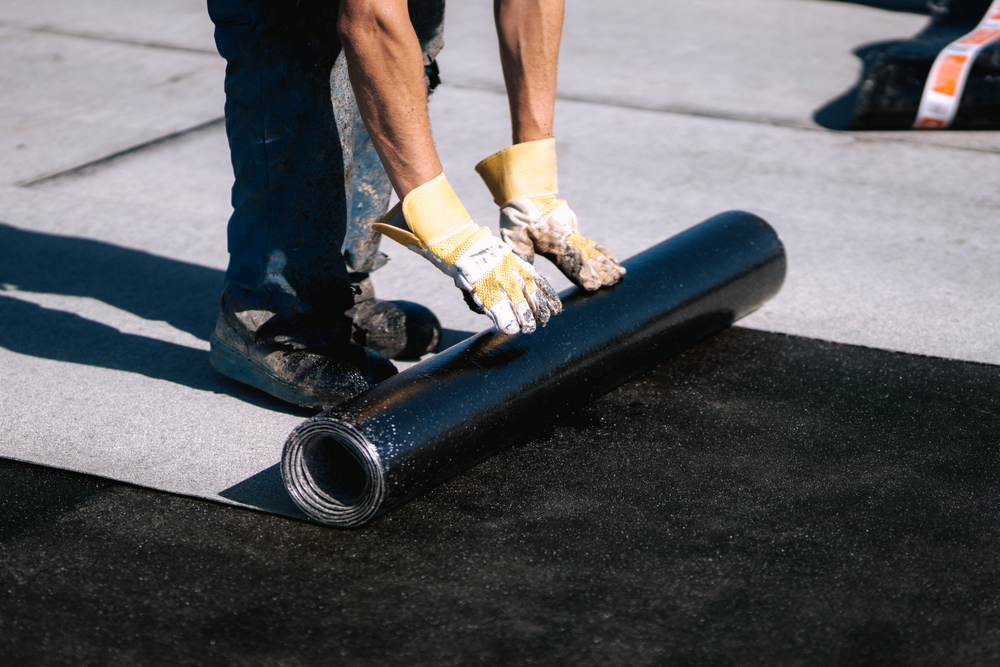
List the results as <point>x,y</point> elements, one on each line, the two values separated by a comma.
<point>761,499</point>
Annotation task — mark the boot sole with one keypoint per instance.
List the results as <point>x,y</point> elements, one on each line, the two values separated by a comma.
<point>240,367</point>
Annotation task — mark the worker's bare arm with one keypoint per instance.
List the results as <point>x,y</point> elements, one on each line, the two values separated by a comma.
<point>387,73</point>
<point>523,178</point>
<point>529,33</point>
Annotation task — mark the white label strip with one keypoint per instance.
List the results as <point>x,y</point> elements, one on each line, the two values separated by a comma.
<point>943,90</point>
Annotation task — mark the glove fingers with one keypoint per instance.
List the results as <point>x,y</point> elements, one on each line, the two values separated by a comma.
<point>539,293</point>
<point>518,285</point>
<point>549,294</point>
<point>525,317</point>
<point>533,226</point>
<point>505,318</point>
<point>586,277</point>
<point>579,270</point>
<point>605,271</point>
<point>599,251</point>
<point>539,307</point>
<point>589,267</point>
<point>504,290</point>
<point>514,312</point>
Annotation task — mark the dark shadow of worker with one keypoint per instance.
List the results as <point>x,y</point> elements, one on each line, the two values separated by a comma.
<point>182,294</point>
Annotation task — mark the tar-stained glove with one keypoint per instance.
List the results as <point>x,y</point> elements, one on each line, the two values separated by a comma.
<point>432,222</point>
<point>524,184</point>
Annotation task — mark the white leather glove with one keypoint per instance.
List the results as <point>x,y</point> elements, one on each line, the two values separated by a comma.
<point>524,184</point>
<point>432,222</point>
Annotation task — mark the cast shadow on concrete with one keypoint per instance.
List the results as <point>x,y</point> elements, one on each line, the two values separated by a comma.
<point>839,113</point>
<point>909,6</point>
<point>46,333</point>
<point>264,491</point>
<point>155,288</point>
<point>184,295</point>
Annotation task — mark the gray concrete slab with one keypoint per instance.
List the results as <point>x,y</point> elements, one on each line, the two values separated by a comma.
<point>180,190</point>
<point>180,24</point>
<point>72,100</point>
<point>768,61</point>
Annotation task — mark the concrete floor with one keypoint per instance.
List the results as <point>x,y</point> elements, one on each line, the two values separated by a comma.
<point>871,409</point>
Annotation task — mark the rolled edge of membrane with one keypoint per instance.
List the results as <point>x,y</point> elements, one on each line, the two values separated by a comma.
<point>333,473</point>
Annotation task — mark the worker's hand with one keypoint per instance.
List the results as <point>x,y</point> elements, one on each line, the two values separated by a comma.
<point>533,220</point>
<point>528,229</point>
<point>432,222</point>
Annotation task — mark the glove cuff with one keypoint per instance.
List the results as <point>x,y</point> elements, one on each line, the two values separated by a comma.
<point>526,170</point>
<point>434,213</point>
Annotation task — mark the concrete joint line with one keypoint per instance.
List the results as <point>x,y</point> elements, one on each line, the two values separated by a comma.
<point>46,30</point>
<point>737,118</point>
<point>114,156</point>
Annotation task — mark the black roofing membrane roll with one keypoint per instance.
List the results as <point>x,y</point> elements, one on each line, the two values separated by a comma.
<point>351,463</point>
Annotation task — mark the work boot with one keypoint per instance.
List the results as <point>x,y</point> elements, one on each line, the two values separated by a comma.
<point>393,329</point>
<point>314,378</point>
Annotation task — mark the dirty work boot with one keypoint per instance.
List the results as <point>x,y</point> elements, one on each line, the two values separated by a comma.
<point>394,329</point>
<point>316,378</point>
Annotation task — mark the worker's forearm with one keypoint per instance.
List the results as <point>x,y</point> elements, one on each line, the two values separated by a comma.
<point>387,73</point>
<point>529,32</point>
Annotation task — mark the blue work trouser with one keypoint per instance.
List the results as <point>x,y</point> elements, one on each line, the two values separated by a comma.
<point>308,183</point>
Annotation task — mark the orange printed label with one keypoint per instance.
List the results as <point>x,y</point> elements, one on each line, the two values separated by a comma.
<point>948,74</point>
<point>943,89</point>
<point>980,36</point>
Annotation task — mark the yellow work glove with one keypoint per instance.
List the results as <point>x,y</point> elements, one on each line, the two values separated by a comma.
<point>524,185</point>
<point>432,222</point>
